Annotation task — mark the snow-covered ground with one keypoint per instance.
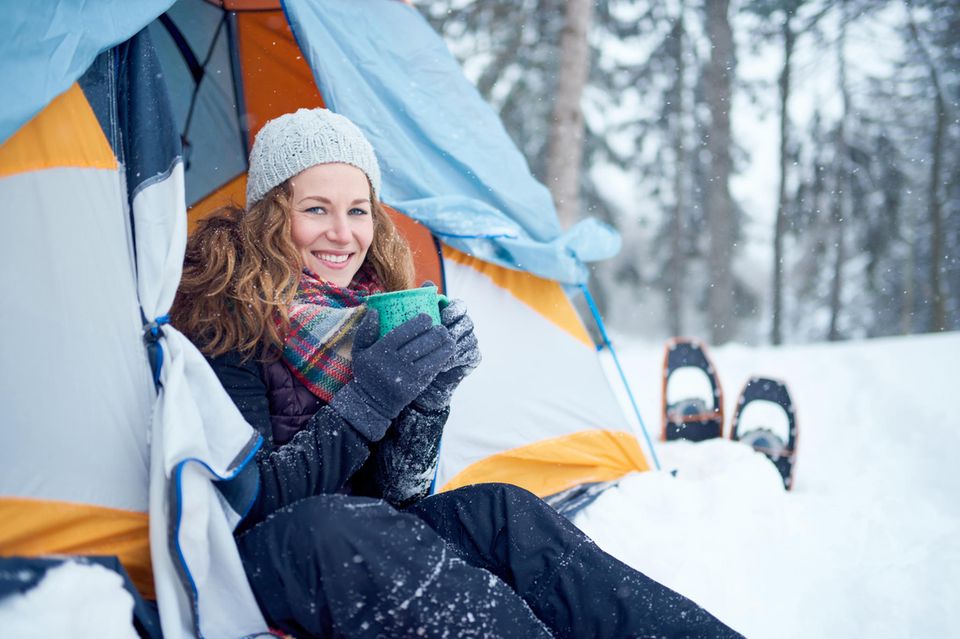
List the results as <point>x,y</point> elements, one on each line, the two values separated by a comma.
<point>81,601</point>
<point>868,542</point>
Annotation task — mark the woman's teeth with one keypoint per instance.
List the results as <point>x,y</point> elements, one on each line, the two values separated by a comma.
<point>335,259</point>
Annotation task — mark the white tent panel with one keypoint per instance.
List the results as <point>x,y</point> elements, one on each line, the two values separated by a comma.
<point>536,381</point>
<point>77,388</point>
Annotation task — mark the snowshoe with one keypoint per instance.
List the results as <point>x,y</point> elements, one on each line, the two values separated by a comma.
<point>765,419</point>
<point>692,405</point>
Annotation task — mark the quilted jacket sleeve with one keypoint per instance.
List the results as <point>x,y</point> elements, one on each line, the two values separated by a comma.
<point>319,459</point>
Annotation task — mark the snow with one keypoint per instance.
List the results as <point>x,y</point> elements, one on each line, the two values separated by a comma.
<point>868,542</point>
<point>81,601</point>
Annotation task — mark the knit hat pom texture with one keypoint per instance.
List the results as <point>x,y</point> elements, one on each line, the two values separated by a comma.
<point>294,142</point>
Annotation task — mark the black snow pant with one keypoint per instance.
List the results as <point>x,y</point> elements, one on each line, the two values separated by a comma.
<point>490,560</point>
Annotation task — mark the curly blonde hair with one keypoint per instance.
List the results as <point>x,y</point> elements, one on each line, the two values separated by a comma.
<point>241,272</point>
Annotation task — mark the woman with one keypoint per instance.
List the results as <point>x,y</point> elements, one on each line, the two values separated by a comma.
<point>342,540</point>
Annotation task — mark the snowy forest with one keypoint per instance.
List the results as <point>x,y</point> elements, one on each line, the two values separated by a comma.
<point>781,171</point>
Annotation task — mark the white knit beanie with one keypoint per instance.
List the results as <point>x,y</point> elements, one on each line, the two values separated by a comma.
<point>294,142</point>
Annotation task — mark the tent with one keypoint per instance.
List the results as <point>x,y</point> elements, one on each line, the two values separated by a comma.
<point>119,118</point>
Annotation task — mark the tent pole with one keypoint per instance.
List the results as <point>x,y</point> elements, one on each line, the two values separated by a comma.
<point>616,360</point>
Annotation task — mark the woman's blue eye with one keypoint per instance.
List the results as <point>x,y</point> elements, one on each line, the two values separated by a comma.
<point>316,210</point>
<point>358,212</point>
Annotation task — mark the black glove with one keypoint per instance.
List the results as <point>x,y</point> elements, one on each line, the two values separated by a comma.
<point>466,357</point>
<point>388,373</point>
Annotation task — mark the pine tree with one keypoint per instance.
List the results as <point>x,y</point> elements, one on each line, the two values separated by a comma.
<point>718,81</point>
<point>565,143</point>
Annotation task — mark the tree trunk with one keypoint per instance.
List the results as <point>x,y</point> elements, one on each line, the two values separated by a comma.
<point>938,318</point>
<point>839,259</point>
<point>720,212</point>
<point>906,313</point>
<point>678,259</point>
<point>789,37</point>
<point>841,188</point>
<point>565,144</point>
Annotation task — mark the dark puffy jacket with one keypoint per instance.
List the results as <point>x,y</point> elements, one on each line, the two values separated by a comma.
<point>309,449</point>
<point>291,403</point>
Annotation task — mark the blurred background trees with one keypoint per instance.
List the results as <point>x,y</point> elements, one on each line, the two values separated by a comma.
<point>780,170</point>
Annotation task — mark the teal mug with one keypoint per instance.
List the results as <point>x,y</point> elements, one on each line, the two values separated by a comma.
<point>397,307</point>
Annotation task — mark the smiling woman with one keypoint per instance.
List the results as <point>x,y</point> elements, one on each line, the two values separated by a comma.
<point>343,539</point>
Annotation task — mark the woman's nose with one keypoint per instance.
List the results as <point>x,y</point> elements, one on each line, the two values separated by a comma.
<point>339,229</point>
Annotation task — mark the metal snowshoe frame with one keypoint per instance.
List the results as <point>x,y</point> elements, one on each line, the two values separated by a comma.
<point>692,420</point>
<point>762,439</point>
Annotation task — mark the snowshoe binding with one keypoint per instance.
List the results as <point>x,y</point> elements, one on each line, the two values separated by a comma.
<point>692,406</point>
<point>765,419</point>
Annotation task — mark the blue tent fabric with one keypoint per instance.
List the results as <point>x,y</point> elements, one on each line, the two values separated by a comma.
<point>125,87</point>
<point>46,46</point>
<point>446,159</point>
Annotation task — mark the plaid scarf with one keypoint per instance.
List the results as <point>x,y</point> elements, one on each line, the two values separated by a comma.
<point>323,318</point>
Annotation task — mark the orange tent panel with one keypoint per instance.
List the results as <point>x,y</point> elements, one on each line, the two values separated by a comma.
<point>426,257</point>
<point>276,76</point>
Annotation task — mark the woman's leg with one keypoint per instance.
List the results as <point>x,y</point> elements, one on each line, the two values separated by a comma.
<point>574,587</point>
<point>336,565</point>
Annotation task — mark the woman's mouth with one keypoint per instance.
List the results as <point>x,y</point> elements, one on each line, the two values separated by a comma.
<point>332,260</point>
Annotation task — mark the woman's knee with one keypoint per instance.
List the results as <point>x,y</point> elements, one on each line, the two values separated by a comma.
<point>516,495</point>
<point>482,513</point>
<point>492,490</point>
<point>491,497</point>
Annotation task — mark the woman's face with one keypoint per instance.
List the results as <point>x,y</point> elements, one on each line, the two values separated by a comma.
<point>332,220</point>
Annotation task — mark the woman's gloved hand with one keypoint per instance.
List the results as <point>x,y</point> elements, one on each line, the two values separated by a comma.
<point>465,357</point>
<point>388,373</point>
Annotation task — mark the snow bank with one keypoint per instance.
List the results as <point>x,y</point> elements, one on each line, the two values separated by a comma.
<point>868,542</point>
<point>80,601</point>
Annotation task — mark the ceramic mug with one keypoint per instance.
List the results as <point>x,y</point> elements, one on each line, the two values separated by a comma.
<point>397,307</point>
